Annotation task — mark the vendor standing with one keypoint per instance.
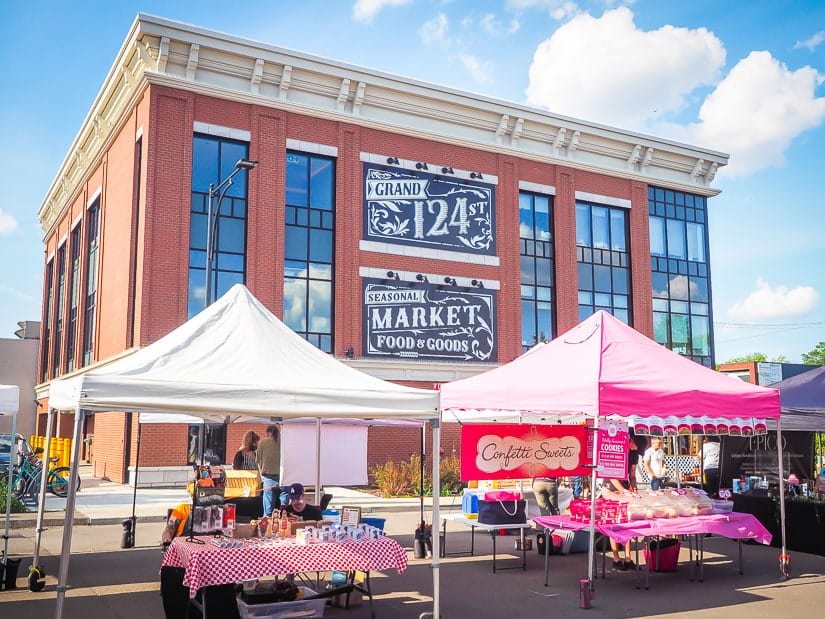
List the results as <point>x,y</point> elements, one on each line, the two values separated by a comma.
<point>654,461</point>
<point>710,464</point>
<point>268,457</point>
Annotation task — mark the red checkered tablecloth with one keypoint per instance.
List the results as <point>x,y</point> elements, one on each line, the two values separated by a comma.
<point>207,564</point>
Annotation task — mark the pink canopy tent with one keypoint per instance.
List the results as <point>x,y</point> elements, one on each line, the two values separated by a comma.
<point>603,368</point>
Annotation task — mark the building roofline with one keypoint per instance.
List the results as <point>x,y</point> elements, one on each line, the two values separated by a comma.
<point>188,57</point>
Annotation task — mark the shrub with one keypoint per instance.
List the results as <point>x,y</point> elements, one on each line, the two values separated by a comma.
<point>17,506</point>
<point>404,478</point>
<point>393,479</point>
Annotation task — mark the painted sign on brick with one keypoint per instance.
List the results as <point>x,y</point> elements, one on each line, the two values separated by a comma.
<point>428,210</point>
<point>428,321</point>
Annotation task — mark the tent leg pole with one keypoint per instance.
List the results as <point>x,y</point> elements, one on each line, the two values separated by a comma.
<point>591,550</point>
<point>318,461</point>
<point>66,550</point>
<point>12,453</point>
<point>784,557</point>
<point>436,428</point>
<point>41,499</point>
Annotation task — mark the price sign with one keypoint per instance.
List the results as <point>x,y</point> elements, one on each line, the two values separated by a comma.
<point>725,493</point>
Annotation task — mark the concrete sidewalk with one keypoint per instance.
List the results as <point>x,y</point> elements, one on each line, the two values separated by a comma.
<point>101,502</point>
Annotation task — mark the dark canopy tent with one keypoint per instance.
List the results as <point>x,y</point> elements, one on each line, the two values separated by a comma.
<point>803,401</point>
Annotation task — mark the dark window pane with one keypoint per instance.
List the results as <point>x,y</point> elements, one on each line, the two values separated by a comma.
<point>231,235</point>
<point>620,281</point>
<point>321,183</point>
<point>197,231</point>
<point>297,175</point>
<point>585,276</point>
<point>544,272</point>
<point>675,238</point>
<point>525,217</point>
<point>320,245</point>
<point>528,323</point>
<point>528,270</point>
<point>583,234</point>
<point>657,236</point>
<point>543,230</point>
<point>295,245</point>
<point>204,163</point>
<point>601,227</point>
<point>660,285</point>
<point>617,233</point>
<point>699,289</point>
<point>601,279</point>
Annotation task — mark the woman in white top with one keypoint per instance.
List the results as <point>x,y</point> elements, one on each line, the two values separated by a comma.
<point>654,462</point>
<point>710,464</point>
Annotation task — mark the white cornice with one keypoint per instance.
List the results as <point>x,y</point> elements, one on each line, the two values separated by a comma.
<point>165,52</point>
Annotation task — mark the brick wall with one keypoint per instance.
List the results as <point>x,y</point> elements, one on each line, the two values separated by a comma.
<point>161,227</point>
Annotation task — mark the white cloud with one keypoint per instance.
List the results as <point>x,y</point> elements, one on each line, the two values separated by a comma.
<point>812,43</point>
<point>756,112</point>
<point>480,71</point>
<point>557,9</point>
<point>8,224</point>
<point>491,25</point>
<point>608,71</point>
<point>772,303</point>
<point>435,30</point>
<point>365,10</point>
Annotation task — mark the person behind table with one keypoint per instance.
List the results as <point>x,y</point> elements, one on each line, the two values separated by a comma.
<point>654,462</point>
<point>632,461</point>
<point>245,457</point>
<point>710,464</point>
<point>298,507</point>
<point>546,491</point>
<point>622,486</point>
<point>177,524</point>
<point>268,458</point>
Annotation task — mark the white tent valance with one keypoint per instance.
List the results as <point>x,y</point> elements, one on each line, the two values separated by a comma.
<point>9,399</point>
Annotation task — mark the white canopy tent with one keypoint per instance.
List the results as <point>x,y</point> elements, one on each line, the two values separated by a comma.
<point>234,361</point>
<point>9,405</point>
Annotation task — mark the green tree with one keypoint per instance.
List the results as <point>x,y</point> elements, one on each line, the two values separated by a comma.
<point>816,356</point>
<point>754,356</point>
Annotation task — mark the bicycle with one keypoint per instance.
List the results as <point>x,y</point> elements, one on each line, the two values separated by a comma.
<point>29,472</point>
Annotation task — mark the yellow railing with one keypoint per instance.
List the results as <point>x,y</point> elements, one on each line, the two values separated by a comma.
<point>60,448</point>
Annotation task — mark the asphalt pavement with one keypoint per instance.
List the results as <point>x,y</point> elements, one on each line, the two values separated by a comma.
<point>109,582</point>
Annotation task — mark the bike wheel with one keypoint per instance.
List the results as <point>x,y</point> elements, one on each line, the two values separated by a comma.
<point>58,481</point>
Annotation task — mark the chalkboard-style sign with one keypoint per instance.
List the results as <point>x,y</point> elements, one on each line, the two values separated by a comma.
<point>428,210</point>
<point>428,321</point>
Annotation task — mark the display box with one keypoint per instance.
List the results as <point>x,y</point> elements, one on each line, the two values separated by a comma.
<point>303,608</point>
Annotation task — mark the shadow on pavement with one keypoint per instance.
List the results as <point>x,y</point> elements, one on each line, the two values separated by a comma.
<point>126,584</point>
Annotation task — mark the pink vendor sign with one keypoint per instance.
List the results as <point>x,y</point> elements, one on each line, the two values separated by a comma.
<point>611,456</point>
<point>509,451</point>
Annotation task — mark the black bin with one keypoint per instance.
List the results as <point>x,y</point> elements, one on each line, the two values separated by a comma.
<point>9,572</point>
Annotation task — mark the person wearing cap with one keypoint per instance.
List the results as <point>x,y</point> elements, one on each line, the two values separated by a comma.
<point>298,507</point>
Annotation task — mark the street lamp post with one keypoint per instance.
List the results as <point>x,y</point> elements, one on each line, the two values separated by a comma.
<point>218,191</point>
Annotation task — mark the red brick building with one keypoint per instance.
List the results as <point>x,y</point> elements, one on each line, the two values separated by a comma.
<point>417,233</point>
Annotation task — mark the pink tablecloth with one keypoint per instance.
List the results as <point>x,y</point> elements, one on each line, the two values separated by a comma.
<point>734,525</point>
<point>207,564</point>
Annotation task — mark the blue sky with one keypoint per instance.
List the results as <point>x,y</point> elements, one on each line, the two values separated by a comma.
<point>746,78</point>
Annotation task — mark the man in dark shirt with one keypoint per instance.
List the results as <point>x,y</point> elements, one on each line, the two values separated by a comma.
<point>299,507</point>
